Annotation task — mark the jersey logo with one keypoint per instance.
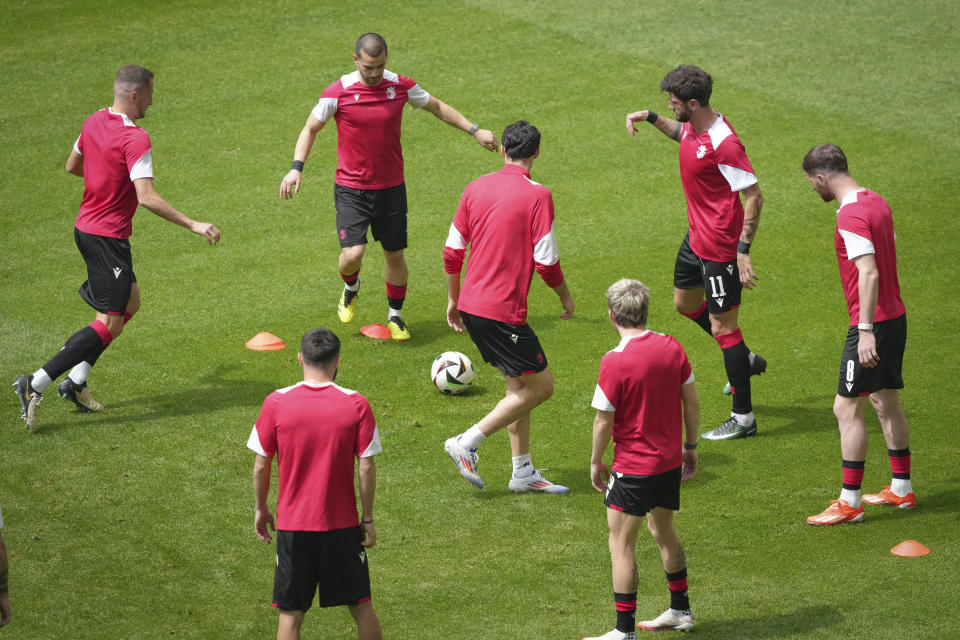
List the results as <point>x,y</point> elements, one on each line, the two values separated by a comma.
<point>391,93</point>
<point>513,337</point>
<point>116,272</point>
<point>356,97</point>
<point>701,151</point>
<point>730,269</point>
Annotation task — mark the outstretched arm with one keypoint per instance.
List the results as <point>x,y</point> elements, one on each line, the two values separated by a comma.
<point>752,203</point>
<point>305,141</point>
<point>455,119</point>
<point>150,199</point>
<point>668,127</point>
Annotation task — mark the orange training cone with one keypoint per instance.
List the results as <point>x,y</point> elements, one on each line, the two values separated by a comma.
<point>910,549</point>
<point>377,331</point>
<point>265,341</point>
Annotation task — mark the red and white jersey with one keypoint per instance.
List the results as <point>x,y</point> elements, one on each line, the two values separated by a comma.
<point>865,225</point>
<point>507,219</point>
<point>115,153</point>
<point>316,432</point>
<point>369,155</point>
<point>714,169</point>
<point>640,382</point>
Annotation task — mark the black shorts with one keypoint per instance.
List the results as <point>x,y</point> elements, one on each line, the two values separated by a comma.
<point>636,495</point>
<point>856,380</point>
<point>719,280</point>
<point>512,348</point>
<point>383,210</point>
<point>109,272</point>
<point>333,562</point>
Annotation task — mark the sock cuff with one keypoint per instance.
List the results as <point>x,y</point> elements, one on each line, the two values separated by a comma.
<point>676,575</point>
<point>899,453</point>
<point>126,316</point>
<point>852,464</point>
<point>350,278</point>
<point>727,340</point>
<point>625,602</point>
<point>694,315</point>
<point>396,290</point>
<point>105,336</point>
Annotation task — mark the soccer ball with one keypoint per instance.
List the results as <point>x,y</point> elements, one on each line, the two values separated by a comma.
<point>452,372</point>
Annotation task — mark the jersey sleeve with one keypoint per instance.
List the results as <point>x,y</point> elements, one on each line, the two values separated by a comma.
<point>546,254</point>
<point>327,106</point>
<point>78,145</point>
<point>855,230</point>
<point>368,438</point>
<point>458,236</point>
<point>607,394</point>
<point>137,153</point>
<point>263,438</point>
<point>686,371</point>
<point>733,163</point>
<point>416,96</point>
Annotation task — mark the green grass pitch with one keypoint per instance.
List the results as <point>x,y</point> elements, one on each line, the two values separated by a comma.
<point>137,522</point>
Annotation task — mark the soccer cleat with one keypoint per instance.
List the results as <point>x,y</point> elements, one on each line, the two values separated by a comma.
<point>347,307</point>
<point>398,329</point>
<point>536,482</point>
<point>730,430</point>
<point>78,394</point>
<point>757,368</point>
<point>614,635</point>
<point>465,459</point>
<point>886,496</point>
<point>29,400</point>
<point>837,513</point>
<point>671,619</point>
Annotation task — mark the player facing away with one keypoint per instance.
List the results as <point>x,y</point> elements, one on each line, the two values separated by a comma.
<point>646,400</point>
<point>316,429</point>
<point>713,264</point>
<point>872,360</point>
<point>507,220</point>
<point>114,158</point>
<point>369,188</point>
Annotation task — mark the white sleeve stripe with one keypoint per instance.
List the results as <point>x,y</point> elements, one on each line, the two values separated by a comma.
<point>253,443</point>
<point>546,251</point>
<point>325,109</point>
<point>76,146</point>
<point>143,167</point>
<point>738,179</point>
<point>856,244</point>
<point>455,238</point>
<point>417,97</point>
<point>600,401</point>
<point>374,447</point>
<point>690,379</point>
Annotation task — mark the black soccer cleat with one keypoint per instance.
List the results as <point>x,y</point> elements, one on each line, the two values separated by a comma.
<point>78,394</point>
<point>29,398</point>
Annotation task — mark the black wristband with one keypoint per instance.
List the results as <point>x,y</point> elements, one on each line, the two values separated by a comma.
<point>652,116</point>
<point>298,165</point>
<point>690,447</point>
<point>743,247</point>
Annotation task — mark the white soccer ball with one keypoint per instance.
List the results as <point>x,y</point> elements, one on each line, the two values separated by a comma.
<point>452,372</point>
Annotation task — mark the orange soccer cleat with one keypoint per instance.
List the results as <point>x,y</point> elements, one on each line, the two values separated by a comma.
<point>887,496</point>
<point>837,513</point>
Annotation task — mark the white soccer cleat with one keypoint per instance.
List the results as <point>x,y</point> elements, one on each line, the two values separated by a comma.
<point>535,482</point>
<point>671,619</point>
<point>465,459</point>
<point>614,635</point>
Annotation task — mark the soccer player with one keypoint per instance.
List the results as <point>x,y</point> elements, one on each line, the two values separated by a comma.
<point>369,188</point>
<point>643,385</point>
<point>872,359</point>
<point>4,573</point>
<point>114,158</point>
<point>714,257</point>
<point>316,429</point>
<point>507,219</point>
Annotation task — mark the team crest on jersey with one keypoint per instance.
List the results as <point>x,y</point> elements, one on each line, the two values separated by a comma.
<point>391,93</point>
<point>356,97</point>
<point>701,151</point>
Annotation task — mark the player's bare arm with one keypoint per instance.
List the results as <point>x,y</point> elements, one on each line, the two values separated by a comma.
<point>75,164</point>
<point>691,427</point>
<point>868,288</point>
<point>752,203</point>
<point>602,430</point>
<point>563,292</point>
<point>454,118</point>
<point>453,298</point>
<point>666,126</point>
<point>263,520</point>
<point>291,182</point>
<point>367,488</point>
<point>151,200</point>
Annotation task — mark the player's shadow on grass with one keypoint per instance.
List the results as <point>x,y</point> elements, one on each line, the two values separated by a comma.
<point>811,413</point>
<point>795,623</point>
<point>210,393</point>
